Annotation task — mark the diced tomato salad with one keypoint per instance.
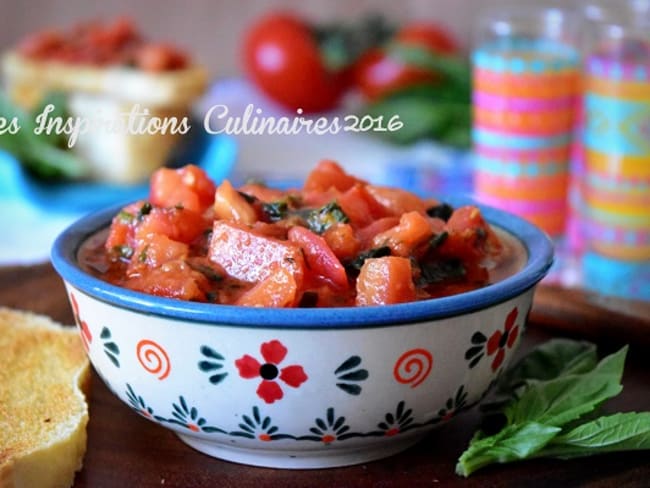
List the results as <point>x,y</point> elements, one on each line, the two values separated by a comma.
<point>101,44</point>
<point>338,241</point>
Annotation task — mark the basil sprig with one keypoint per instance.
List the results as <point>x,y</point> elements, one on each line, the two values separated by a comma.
<point>549,401</point>
<point>44,155</point>
<point>440,110</point>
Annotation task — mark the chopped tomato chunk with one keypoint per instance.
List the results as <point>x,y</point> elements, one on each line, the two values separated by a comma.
<point>229,204</point>
<point>342,240</point>
<point>278,289</point>
<point>262,192</point>
<point>412,230</point>
<point>385,280</point>
<point>328,174</point>
<point>396,201</point>
<point>368,233</point>
<point>178,224</point>
<point>174,279</point>
<point>360,207</point>
<point>270,230</point>
<point>123,225</point>
<point>118,235</point>
<point>470,237</point>
<point>156,250</point>
<point>188,187</point>
<point>320,258</point>
<point>338,241</point>
<point>249,256</point>
<point>318,198</point>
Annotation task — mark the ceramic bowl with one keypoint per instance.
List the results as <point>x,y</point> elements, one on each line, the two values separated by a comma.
<point>300,388</point>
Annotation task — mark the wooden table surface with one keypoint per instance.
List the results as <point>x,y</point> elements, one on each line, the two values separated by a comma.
<point>125,450</point>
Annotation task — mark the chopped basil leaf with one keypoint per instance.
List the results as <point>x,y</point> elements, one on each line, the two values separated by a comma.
<point>442,211</point>
<point>210,273</point>
<point>144,210</point>
<point>142,257</point>
<point>438,239</point>
<point>377,252</point>
<point>125,217</point>
<point>321,219</point>
<point>123,251</point>
<point>247,197</point>
<point>275,211</point>
<point>283,209</point>
<point>437,271</point>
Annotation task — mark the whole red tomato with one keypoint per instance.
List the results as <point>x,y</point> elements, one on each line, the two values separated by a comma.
<point>282,57</point>
<point>430,36</point>
<point>377,74</point>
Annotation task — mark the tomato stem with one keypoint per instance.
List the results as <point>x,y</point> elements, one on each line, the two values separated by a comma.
<point>342,44</point>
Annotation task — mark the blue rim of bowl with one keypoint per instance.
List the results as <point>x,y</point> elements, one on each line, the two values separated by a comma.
<point>536,243</point>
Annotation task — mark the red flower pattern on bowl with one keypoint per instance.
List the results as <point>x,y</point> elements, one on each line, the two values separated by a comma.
<point>500,341</point>
<point>273,353</point>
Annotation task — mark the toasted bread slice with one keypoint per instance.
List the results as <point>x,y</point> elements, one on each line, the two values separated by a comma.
<point>43,409</point>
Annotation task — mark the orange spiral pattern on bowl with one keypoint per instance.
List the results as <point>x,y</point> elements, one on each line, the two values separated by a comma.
<point>153,358</point>
<point>413,367</point>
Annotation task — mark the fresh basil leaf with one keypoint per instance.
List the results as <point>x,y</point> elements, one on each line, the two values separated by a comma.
<point>549,411</point>
<point>59,103</point>
<point>513,443</point>
<point>454,68</point>
<point>9,111</point>
<point>567,397</point>
<point>442,91</point>
<point>35,152</point>
<point>547,361</point>
<point>51,162</point>
<point>458,135</point>
<point>619,432</point>
<point>422,118</point>
<point>552,359</point>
